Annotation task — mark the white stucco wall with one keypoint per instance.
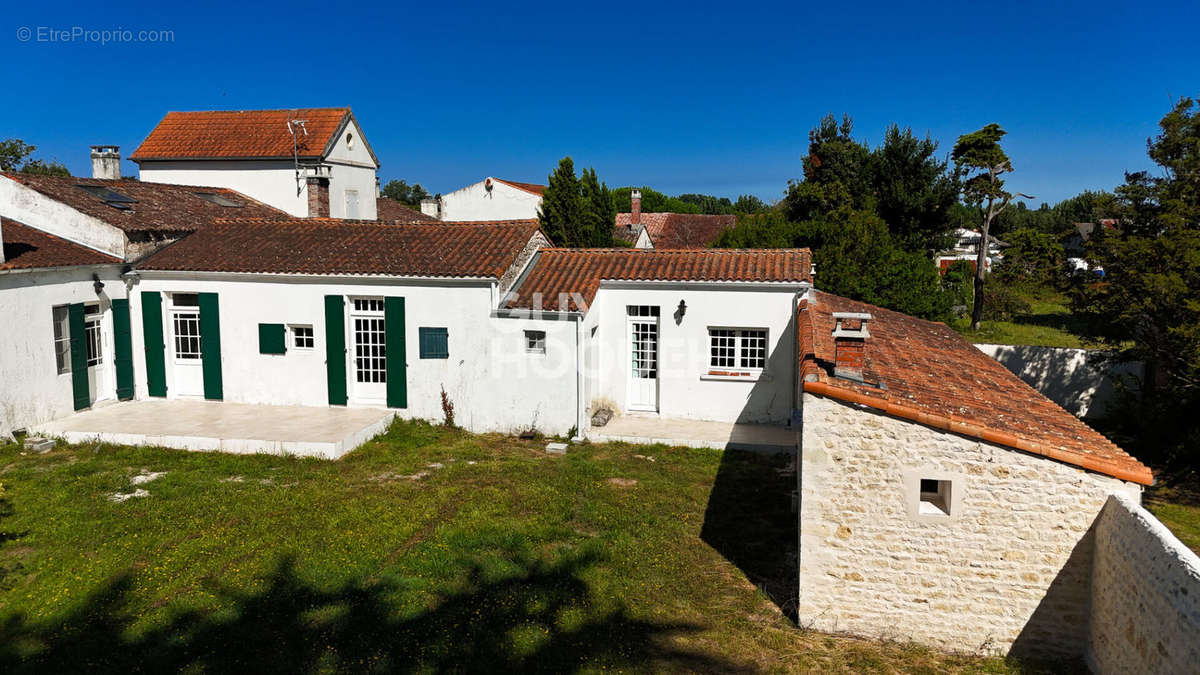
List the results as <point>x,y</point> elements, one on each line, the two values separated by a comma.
<point>1009,568</point>
<point>494,384</point>
<point>272,182</point>
<point>1145,613</point>
<point>30,207</point>
<point>502,202</point>
<point>353,169</point>
<point>31,390</point>
<point>685,391</point>
<point>1069,377</point>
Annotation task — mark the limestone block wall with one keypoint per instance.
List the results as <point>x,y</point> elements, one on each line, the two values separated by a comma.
<point>1008,569</point>
<point>1145,613</point>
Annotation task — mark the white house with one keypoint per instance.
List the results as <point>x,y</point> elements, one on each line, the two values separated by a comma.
<point>306,162</point>
<point>489,199</point>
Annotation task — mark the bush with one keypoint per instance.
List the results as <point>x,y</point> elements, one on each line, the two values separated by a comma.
<point>1001,302</point>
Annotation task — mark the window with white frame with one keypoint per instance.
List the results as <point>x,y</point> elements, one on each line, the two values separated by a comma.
<point>302,337</point>
<point>62,339</point>
<point>535,341</point>
<point>92,335</point>
<point>739,348</point>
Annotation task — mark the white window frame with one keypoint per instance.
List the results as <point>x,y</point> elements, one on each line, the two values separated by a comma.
<point>535,341</point>
<point>93,334</point>
<point>60,315</point>
<point>738,371</point>
<point>296,337</point>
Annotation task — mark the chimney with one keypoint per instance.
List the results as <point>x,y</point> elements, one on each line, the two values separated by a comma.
<point>318,196</point>
<point>106,161</point>
<point>635,211</point>
<point>850,341</point>
<point>430,206</point>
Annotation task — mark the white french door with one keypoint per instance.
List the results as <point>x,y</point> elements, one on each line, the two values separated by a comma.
<point>93,333</point>
<point>187,365</point>
<point>642,328</point>
<point>368,336</point>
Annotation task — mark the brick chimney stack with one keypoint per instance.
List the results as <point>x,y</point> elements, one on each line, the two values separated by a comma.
<point>316,179</point>
<point>106,161</point>
<point>635,215</point>
<point>850,340</point>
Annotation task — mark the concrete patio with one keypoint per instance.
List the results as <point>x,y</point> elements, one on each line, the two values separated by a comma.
<point>651,429</point>
<point>229,427</point>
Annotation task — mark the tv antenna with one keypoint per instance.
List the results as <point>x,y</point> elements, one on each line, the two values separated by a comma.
<point>292,126</point>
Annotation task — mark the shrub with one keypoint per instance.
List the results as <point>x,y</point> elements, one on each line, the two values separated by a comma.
<point>447,409</point>
<point>1001,302</point>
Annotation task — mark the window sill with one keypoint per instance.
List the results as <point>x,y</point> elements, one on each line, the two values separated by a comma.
<point>736,375</point>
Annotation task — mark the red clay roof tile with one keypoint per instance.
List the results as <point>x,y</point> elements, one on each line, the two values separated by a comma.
<point>29,248</point>
<point>226,134</point>
<point>675,230</point>
<point>330,246</point>
<point>564,274</point>
<point>528,187</point>
<point>926,372</point>
<point>391,211</point>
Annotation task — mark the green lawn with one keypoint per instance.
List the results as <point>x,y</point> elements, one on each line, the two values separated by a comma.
<point>1179,509</point>
<point>501,559</point>
<point>1048,324</point>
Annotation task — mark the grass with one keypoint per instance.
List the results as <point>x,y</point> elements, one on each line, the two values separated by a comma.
<point>1178,507</point>
<point>1048,324</point>
<point>502,559</point>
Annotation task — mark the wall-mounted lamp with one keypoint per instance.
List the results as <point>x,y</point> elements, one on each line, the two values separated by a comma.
<point>97,284</point>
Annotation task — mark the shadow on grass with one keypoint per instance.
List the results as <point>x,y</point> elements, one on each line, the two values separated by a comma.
<point>539,620</point>
<point>749,520</point>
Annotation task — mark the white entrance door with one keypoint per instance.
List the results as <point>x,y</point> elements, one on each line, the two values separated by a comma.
<point>185,344</point>
<point>368,335</point>
<point>93,320</point>
<point>643,357</point>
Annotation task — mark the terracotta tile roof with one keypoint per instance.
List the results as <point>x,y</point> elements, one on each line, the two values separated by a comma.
<point>675,230</point>
<point>225,134</point>
<point>565,274</point>
<point>159,207</point>
<point>331,246</point>
<point>28,248</point>
<point>927,373</point>
<point>392,211</point>
<point>528,187</point>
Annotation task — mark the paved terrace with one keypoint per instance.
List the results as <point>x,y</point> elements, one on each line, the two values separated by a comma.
<point>651,429</point>
<point>230,427</point>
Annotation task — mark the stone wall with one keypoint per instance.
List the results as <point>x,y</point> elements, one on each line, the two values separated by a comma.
<point>1008,569</point>
<point>1145,613</point>
<point>1071,378</point>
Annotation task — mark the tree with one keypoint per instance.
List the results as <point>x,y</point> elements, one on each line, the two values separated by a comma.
<point>600,215</point>
<point>401,191</point>
<point>14,156</point>
<point>653,201</point>
<point>562,212</point>
<point>749,204</point>
<point>1032,257</point>
<point>980,151</point>
<point>1147,305</point>
<point>913,190</point>
<point>836,173</point>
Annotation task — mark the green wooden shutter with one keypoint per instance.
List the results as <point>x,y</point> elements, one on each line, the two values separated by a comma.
<point>271,338</point>
<point>210,346</point>
<point>152,334</point>
<point>397,386</point>
<point>122,348</point>
<point>335,348</point>
<point>79,367</point>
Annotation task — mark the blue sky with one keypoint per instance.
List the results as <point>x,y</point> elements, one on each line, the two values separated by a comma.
<point>688,97</point>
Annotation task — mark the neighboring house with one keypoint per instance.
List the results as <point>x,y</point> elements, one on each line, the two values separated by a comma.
<point>942,500</point>
<point>489,199</point>
<point>307,162</point>
<point>669,230</point>
<point>391,211</point>
<point>965,248</point>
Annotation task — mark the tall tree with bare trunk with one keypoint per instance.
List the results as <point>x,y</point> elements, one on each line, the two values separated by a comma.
<point>979,152</point>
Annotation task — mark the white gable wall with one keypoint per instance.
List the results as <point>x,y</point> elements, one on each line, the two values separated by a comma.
<point>30,207</point>
<point>353,169</point>
<point>502,202</point>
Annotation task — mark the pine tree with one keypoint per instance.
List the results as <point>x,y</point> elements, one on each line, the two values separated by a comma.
<point>562,212</point>
<point>600,211</point>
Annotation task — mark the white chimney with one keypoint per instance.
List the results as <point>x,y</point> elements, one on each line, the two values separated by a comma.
<point>106,161</point>
<point>431,207</point>
<point>635,211</point>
